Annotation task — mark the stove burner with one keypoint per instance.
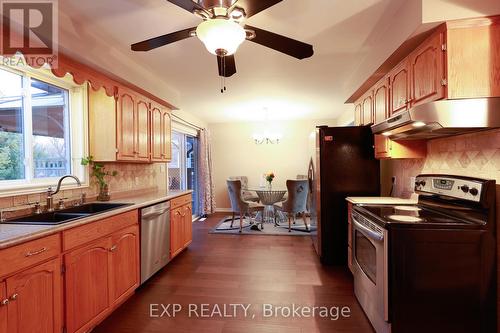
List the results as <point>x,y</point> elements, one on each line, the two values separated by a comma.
<point>408,208</point>
<point>405,218</point>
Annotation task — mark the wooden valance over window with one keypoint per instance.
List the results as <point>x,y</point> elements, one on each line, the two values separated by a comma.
<point>82,73</point>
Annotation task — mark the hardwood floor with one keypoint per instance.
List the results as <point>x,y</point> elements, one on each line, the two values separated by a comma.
<point>241,269</point>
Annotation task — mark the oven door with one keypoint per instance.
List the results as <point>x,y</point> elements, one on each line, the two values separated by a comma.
<point>370,271</point>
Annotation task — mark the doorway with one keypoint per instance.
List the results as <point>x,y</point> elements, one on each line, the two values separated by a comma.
<point>183,169</point>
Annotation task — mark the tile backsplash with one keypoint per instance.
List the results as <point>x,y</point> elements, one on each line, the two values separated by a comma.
<point>474,155</point>
<point>131,177</point>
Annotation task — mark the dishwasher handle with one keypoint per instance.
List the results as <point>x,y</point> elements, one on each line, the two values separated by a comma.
<point>155,213</point>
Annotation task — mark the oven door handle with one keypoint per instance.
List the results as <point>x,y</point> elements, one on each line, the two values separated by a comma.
<point>368,232</point>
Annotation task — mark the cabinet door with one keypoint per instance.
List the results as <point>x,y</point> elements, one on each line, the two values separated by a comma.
<point>358,114</point>
<point>3,308</point>
<point>157,135</point>
<point>167,135</point>
<point>427,71</point>
<point>381,100</point>
<point>35,300</point>
<point>124,263</point>
<point>382,146</point>
<point>368,109</point>
<point>399,79</point>
<point>176,232</point>
<point>125,127</point>
<point>87,284</point>
<point>188,225</point>
<point>142,130</point>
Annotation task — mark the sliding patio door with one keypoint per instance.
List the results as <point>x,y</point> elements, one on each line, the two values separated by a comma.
<point>183,169</point>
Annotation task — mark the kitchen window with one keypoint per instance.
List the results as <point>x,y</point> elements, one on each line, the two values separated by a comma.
<point>42,126</point>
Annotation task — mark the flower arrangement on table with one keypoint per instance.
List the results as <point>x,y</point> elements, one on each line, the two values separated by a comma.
<point>270,177</point>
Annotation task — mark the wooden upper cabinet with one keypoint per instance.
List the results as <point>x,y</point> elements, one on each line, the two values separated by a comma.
<point>156,133</point>
<point>35,300</point>
<point>161,134</point>
<point>385,148</point>
<point>358,113</point>
<point>399,84</point>
<point>87,284</point>
<point>167,135</point>
<point>382,147</point>
<point>368,108</point>
<point>3,308</point>
<point>102,125</point>
<point>126,126</point>
<point>142,131</point>
<point>381,100</point>
<point>473,58</point>
<point>124,263</point>
<point>427,71</point>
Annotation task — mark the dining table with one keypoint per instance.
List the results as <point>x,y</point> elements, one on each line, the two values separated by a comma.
<point>269,196</point>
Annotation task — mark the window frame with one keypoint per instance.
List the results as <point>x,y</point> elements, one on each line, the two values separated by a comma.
<point>76,122</point>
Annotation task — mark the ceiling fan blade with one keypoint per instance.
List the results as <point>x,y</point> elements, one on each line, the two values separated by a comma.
<point>230,66</point>
<point>253,7</point>
<point>281,43</point>
<point>188,5</point>
<point>153,43</point>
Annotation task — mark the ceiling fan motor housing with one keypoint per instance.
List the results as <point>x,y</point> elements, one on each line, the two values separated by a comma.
<point>209,4</point>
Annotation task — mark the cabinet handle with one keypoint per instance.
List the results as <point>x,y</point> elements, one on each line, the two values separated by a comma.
<point>4,302</point>
<point>113,248</point>
<point>14,297</point>
<point>34,253</point>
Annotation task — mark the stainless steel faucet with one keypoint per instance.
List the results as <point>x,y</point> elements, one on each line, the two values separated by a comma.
<point>51,193</point>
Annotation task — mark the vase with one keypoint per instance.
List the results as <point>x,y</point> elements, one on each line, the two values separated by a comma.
<point>269,186</point>
<point>104,193</point>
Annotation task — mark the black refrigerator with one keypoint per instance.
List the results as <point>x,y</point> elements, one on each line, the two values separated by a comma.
<point>344,165</point>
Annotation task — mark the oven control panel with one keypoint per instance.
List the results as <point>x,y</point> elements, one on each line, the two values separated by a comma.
<point>456,187</point>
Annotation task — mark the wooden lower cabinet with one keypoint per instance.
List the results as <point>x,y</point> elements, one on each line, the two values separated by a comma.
<point>87,284</point>
<point>100,276</point>
<point>35,300</point>
<point>188,225</point>
<point>3,308</point>
<point>181,229</point>
<point>124,263</point>
<point>176,232</point>
<point>385,148</point>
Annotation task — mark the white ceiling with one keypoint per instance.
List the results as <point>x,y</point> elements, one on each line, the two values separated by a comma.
<point>342,32</point>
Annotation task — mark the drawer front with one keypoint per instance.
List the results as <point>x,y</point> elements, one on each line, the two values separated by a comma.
<point>28,254</point>
<point>95,230</point>
<point>180,201</point>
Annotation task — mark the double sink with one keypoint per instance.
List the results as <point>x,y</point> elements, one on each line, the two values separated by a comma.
<point>67,215</point>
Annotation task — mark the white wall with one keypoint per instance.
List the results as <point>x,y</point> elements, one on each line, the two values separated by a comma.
<point>236,154</point>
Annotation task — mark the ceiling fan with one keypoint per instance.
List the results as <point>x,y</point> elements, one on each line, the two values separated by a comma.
<point>222,31</point>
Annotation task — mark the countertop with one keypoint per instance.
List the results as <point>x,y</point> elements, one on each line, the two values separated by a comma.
<point>12,234</point>
<point>383,200</point>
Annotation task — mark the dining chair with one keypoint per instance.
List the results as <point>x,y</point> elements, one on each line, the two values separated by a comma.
<point>239,204</point>
<point>247,195</point>
<point>296,203</point>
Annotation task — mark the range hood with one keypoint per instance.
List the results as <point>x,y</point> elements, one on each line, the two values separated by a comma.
<point>442,118</point>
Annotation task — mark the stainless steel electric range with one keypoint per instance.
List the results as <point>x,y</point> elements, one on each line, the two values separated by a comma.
<point>429,267</point>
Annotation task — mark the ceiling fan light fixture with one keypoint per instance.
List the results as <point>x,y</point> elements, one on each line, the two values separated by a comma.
<point>221,34</point>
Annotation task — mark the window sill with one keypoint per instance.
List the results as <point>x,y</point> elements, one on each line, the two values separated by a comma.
<point>25,189</point>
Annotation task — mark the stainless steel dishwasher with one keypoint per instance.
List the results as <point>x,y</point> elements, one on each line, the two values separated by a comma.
<point>155,239</point>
